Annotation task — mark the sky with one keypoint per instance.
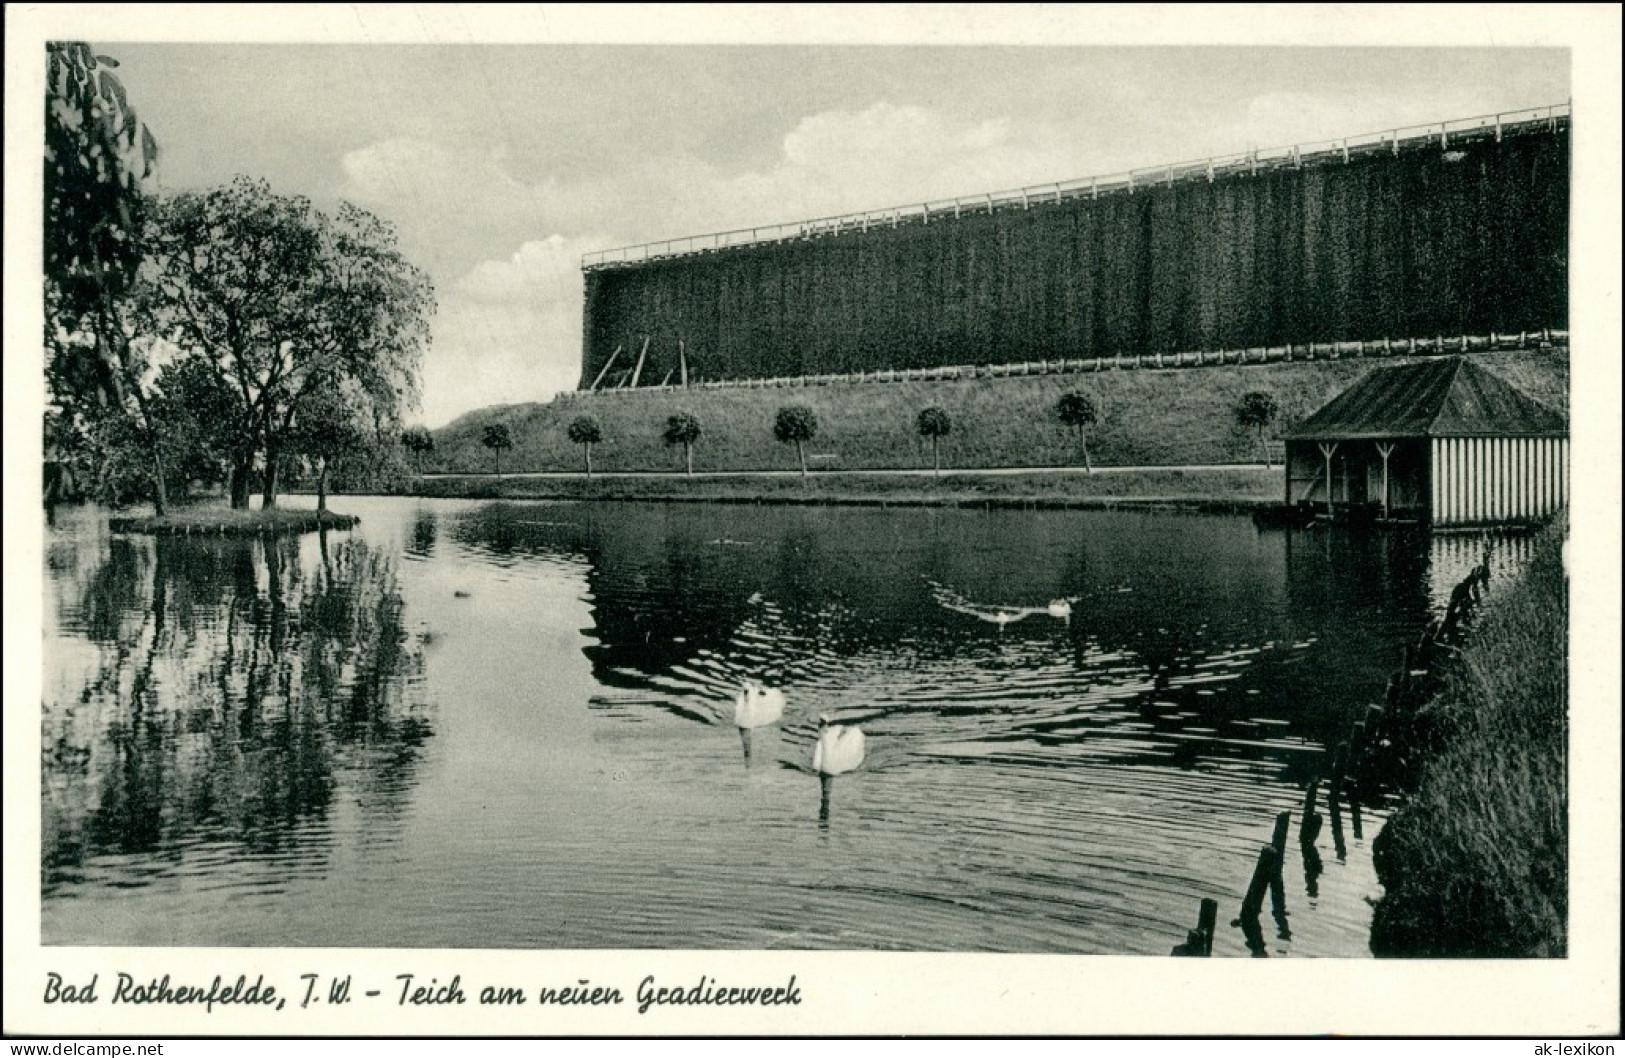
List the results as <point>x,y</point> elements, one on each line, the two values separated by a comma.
<point>500,165</point>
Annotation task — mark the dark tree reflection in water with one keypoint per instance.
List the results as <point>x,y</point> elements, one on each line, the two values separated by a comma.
<point>239,745</point>
<point>239,687</point>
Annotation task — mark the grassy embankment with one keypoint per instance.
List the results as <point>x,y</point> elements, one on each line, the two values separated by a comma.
<point>1175,417</point>
<point>219,520</point>
<point>1228,489</point>
<point>1476,862</point>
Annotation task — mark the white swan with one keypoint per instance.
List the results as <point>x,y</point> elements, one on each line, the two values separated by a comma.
<point>757,706</point>
<point>839,748</point>
<point>1061,608</point>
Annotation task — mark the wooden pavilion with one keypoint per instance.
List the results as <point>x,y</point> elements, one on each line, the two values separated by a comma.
<point>1443,441</point>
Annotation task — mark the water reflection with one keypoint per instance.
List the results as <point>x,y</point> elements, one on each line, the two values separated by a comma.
<point>237,685</point>
<point>234,729</point>
<point>1185,639</point>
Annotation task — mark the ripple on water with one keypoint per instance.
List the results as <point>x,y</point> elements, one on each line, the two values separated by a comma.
<point>520,734</point>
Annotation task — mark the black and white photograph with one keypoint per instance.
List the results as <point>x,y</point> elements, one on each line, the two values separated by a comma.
<point>748,523</point>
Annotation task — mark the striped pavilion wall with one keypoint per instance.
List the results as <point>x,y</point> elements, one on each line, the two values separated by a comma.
<point>1488,480</point>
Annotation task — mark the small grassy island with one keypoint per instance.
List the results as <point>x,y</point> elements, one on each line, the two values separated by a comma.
<point>233,521</point>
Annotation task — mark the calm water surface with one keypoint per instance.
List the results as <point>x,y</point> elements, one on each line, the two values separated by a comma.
<point>509,725</point>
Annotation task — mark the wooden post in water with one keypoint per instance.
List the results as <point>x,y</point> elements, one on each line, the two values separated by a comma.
<point>1263,871</point>
<point>1310,827</point>
<point>1334,792</point>
<point>1283,825</point>
<point>1199,941</point>
<point>1310,831</point>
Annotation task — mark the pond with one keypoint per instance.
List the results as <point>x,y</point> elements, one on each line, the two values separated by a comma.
<point>510,725</point>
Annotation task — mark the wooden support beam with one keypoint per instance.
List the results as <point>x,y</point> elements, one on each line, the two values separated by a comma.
<point>682,362</point>
<point>604,370</point>
<point>636,371</point>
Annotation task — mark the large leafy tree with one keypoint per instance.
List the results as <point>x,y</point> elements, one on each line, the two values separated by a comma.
<point>282,300</point>
<point>328,429</point>
<point>97,153</point>
<point>195,408</point>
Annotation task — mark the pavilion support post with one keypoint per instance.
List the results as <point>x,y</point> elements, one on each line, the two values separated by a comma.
<point>1327,450</point>
<point>1385,450</point>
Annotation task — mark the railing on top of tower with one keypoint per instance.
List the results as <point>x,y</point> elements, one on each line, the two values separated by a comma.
<point>1294,156</point>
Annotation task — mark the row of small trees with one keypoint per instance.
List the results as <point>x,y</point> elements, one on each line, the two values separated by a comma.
<point>797,424</point>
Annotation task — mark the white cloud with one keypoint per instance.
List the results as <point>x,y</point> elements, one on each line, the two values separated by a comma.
<point>509,328</point>
<point>545,268</point>
<point>841,161</point>
<point>508,331</point>
<point>414,170</point>
<point>1281,119</point>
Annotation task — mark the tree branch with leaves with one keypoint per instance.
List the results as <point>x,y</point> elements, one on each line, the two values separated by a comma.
<point>97,154</point>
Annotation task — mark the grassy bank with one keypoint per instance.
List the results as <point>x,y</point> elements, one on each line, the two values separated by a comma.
<point>1238,488</point>
<point>1476,863</point>
<point>1147,418</point>
<point>204,521</point>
